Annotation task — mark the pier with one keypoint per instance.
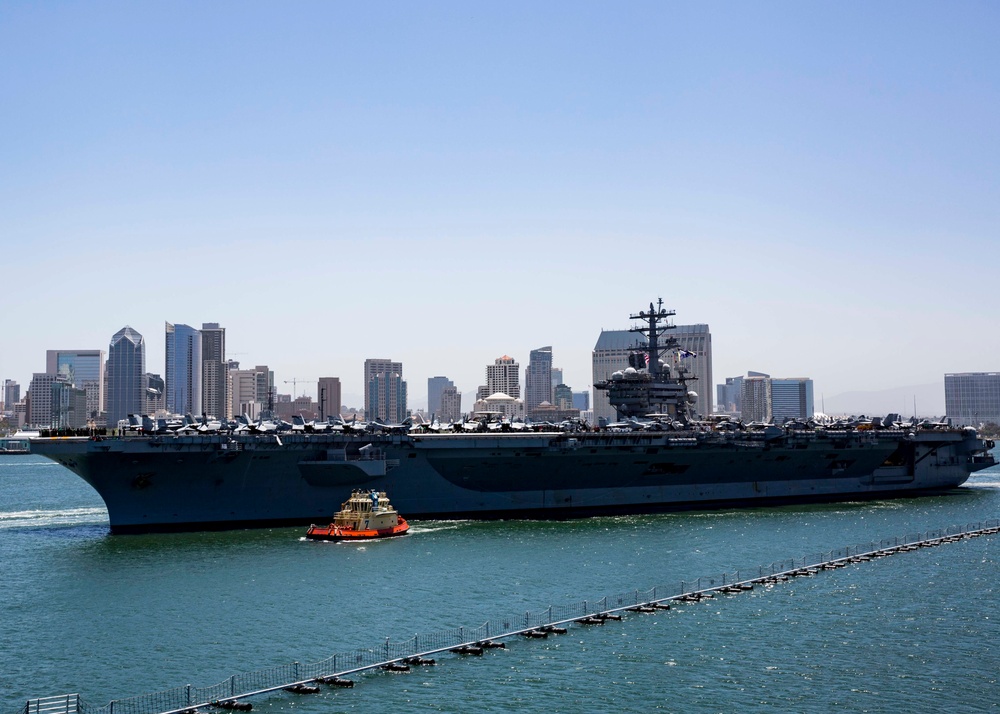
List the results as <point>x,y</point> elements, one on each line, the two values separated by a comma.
<point>336,671</point>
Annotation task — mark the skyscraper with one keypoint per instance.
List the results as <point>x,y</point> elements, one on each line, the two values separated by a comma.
<point>756,398</point>
<point>503,376</point>
<point>11,394</point>
<point>388,397</point>
<point>538,379</point>
<point>125,384</point>
<point>214,369</point>
<point>695,341</point>
<point>451,405</point>
<point>183,369</point>
<point>328,397</point>
<point>435,388</point>
<point>972,398</point>
<point>791,398</point>
<point>40,400</point>
<point>83,369</point>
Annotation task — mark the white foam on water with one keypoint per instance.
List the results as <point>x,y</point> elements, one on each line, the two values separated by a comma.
<point>45,518</point>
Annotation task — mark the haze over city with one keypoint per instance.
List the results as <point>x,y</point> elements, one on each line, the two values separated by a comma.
<point>443,184</point>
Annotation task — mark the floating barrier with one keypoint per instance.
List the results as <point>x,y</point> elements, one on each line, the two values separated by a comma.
<point>397,657</point>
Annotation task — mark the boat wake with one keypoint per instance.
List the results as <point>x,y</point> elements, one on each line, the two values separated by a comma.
<point>44,519</point>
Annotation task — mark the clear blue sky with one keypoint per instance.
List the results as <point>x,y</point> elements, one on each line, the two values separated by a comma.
<point>445,183</point>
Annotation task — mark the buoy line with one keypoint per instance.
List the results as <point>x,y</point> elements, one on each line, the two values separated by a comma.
<point>383,658</point>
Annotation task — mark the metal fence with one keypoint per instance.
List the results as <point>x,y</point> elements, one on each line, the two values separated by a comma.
<point>247,684</point>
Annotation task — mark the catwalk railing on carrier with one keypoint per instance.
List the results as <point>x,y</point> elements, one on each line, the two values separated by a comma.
<point>262,681</point>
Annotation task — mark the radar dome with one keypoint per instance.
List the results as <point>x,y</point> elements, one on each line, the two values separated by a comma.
<point>630,371</point>
<point>617,375</point>
<point>692,397</point>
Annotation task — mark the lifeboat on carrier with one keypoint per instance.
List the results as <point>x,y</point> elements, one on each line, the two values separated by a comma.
<point>366,514</point>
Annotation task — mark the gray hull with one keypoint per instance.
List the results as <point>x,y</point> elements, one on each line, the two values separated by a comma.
<point>185,483</point>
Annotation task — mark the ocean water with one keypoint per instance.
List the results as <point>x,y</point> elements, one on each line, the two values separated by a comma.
<point>113,617</point>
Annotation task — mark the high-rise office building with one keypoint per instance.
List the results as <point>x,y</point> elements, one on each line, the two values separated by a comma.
<point>373,367</point>
<point>387,398</point>
<point>451,405</point>
<point>328,397</point>
<point>245,387</point>
<point>562,396</point>
<point>435,388</point>
<point>40,400</point>
<point>266,393</point>
<point>581,401</point>
<point>183,369</point>
<point>214,370</point>
<point>125,382</point>
<point>155,396</point>
<point>695,357</point>
<point>538,379</point>
<point>791,398</point>
<point>69,405</point>
<point>729,396</point>
<point>756,398</point>
<point>84,369</point>
<point>11,394</point>
<point>503,376</point>
<point>972,398</point>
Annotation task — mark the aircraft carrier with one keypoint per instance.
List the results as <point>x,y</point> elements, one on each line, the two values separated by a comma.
<point>658,457</point>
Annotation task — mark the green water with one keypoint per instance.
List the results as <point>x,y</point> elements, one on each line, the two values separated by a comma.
<point>113,617</point>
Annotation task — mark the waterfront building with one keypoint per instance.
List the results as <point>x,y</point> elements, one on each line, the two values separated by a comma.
<point>435,389</point>
<point>756,398</point>
<point>557,378</point>
<point>155,395</point>
<point>729,396</point>
<point>503,404</point>
<point>183,378</point>
<point>125,381</point>
<point>266,393</point>
<point>11,394</point>
<point>563,396</point>
<point>791,398</point>
<point>40,400</point>
<point>538,380</point>
<point>83,369</point>
<point>373,367</point>
<point>451,405</point>
<point>549,412</point>
<point>503,376</point>
<point>386,398</point>
<point>972,398</point>
<point>328,397</point>
<point>694,343</point>
<point>69,405</point>
<point>243,385</point>
<point>214,370</point>
<point>581,401</point>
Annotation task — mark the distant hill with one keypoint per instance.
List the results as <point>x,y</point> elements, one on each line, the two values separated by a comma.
<point>929,398</point>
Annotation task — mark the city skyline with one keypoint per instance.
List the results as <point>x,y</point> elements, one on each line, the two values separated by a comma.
<point>815,183</point>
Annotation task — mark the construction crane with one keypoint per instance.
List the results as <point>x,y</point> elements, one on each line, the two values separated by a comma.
<point>294,381</point>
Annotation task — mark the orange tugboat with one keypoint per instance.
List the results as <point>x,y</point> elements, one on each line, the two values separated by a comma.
<point>364,515</point>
